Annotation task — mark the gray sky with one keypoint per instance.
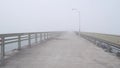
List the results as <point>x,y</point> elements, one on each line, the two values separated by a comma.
<point>47,15</point>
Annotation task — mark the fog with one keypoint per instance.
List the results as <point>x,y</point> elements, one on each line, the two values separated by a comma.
<point>100,16</point>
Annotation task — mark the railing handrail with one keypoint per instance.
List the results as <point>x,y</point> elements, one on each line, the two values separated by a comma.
<point>18,37</point>
<point>13,34</point>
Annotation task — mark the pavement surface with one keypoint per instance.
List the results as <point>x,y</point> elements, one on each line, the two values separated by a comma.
<point>65,51</point>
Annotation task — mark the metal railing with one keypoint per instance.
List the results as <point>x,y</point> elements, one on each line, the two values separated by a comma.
<point>106,45</point>
<point>19,37</point>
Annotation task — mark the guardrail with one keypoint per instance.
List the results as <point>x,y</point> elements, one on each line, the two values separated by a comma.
<point>106,45</point>
<point>19,37</point>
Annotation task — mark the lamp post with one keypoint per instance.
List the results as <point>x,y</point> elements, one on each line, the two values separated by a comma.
<point>79,18</point>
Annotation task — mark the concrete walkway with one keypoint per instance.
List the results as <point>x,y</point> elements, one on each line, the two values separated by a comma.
<point>66,51</point>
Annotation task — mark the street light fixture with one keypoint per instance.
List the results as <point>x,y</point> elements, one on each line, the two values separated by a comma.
<point>78,16</point>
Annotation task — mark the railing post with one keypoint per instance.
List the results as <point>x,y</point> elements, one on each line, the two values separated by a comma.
<point>44,37</point>
<point>36,38</point>
<point>40,37</point>
<point>47,35</point>
<point>29,39</point>
<point>19,42</point>
<point>2,50</point>
<point>50,35</point>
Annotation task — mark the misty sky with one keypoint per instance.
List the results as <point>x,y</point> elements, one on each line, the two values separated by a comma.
<point>101,16</point>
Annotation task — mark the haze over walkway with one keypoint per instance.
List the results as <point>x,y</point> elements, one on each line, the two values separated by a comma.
<point>66,51</point>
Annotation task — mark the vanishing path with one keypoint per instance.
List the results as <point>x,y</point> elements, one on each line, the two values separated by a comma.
<point>66,51</point>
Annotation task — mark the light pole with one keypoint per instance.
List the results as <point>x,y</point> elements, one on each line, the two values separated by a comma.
<point>79,18</point>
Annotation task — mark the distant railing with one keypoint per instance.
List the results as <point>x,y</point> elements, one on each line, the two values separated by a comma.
<point>19,37</point>
<point>108,46</point>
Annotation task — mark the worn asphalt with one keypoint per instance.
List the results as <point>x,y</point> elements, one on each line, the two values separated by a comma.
<point>65,51</point>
